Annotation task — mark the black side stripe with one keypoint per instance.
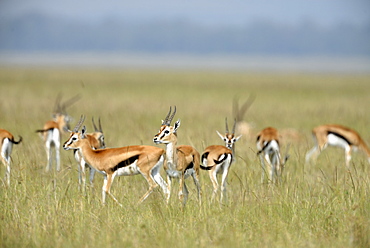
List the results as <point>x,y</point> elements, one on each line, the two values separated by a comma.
<point>340,136</point>
<point>126,162</point>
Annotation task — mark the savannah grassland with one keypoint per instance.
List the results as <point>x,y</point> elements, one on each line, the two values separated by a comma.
<point>318,205</point>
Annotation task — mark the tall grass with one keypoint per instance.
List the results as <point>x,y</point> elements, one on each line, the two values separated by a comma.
<point>320,205</point>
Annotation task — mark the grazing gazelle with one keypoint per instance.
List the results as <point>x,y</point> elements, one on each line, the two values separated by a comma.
<point>336,135</point>
<point>269,152</point>
<point>96,140</point>
<point>181,161</point>
<point>122,161</point>
<point>217,159</point>
<point>53,129</point>
<point>6,144</point>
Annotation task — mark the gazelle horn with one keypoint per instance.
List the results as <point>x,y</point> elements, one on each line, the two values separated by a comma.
<point>173,114</point>
<point>234,126</point>
<point>227,126</point>
<point>82,119</point>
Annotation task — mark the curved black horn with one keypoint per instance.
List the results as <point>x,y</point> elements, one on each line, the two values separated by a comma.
<point>173,114</point>
<point>95,128</point>
<point>234,126</point>
<point>165,121</point>
<point>226,126</point>
<point>82,119</point>
<point>100,128</point>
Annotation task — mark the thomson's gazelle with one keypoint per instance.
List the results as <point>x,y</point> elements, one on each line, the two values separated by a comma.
<point>123,161</point>
<point>182,160</point>
<point>268,147</point>
<point>53,129</point>
<point>336,135</point>
<point>217,159</point>
<point>96,140</point>
<point>6,142</point>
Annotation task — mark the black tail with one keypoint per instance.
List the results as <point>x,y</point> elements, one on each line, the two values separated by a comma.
<point>42,130</point>
<point>17,142</point>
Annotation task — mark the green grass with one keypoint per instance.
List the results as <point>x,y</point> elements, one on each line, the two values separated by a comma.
<point>321,205</point>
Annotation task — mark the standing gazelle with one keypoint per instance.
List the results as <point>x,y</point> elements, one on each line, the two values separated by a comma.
<point>123,161</point>
<point>182,160</point>
<point>337,135</point>
<point>53,129</point>
<point>96,140</point>
<point>6,144</point>
<point>268,147</point>
<point>217,159</point>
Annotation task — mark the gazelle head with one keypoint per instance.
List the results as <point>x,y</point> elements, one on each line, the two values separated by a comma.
<point>98,133</point>
<point>76,136</point>
<point>167,133</point>
<point>60,111</point>
<point>229,138</point>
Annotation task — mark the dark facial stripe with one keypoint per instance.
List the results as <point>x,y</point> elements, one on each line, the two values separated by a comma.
<point>126,162</point>
<point>340,136</point>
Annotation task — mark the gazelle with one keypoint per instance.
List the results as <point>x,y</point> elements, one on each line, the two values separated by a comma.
<point>96,140</point>
<point>268,147</point>
<point>181,161</point>
<point>217,159</point>
<point>242,126</point>
<point>6,142</point>
<point>336,135</point>
<point>53,129</point>
<point>122,161</point>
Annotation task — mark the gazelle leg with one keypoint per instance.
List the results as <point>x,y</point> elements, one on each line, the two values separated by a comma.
<point>169,184</point>
<point>312,154</point>
<point>57,156</point>
<point>195,176</point>
<point>48,155</point>
<point>213,177</point>
<point>159,180</point>
<point>92,175</point>
<point>152,186</point>
<point>348,156</point>
<point>108,180</point>
<point>223,183</point>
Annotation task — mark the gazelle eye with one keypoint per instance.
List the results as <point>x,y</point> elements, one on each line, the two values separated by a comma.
<point>166,132</point>
<point>74,138</point>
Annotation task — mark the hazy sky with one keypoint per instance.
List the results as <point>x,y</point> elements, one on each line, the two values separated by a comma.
<point>212,12</point>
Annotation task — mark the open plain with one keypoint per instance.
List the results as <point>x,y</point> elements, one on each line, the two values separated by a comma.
<point>316,205</point>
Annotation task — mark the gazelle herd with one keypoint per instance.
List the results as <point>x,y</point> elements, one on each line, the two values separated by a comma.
<point>179,161</point>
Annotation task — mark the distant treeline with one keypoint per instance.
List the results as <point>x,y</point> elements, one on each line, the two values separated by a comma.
<point>37,32</point>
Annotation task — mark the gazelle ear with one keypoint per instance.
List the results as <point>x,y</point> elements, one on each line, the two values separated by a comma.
<point>221,136</point>
<point>177,125</point>
<point>83,132</point>
<point>237,138</point>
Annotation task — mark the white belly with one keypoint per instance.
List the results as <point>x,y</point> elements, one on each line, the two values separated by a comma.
<point>334,140</point>
<point>130,170</point>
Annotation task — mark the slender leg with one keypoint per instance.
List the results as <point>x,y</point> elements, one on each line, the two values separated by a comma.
<point>224,182</point>
<point>195,176</point>
<point>108,180</point>
<point>213,177</point>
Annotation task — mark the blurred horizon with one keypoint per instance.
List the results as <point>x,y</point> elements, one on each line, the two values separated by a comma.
<point>184,29</point>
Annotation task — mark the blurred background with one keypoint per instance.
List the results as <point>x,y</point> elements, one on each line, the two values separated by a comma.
<point>310,35</point>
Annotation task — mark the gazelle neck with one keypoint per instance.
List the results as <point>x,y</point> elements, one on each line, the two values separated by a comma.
<point>171,154</point>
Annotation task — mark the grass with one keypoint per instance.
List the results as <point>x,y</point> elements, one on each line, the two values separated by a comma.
<point>321,205</point>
